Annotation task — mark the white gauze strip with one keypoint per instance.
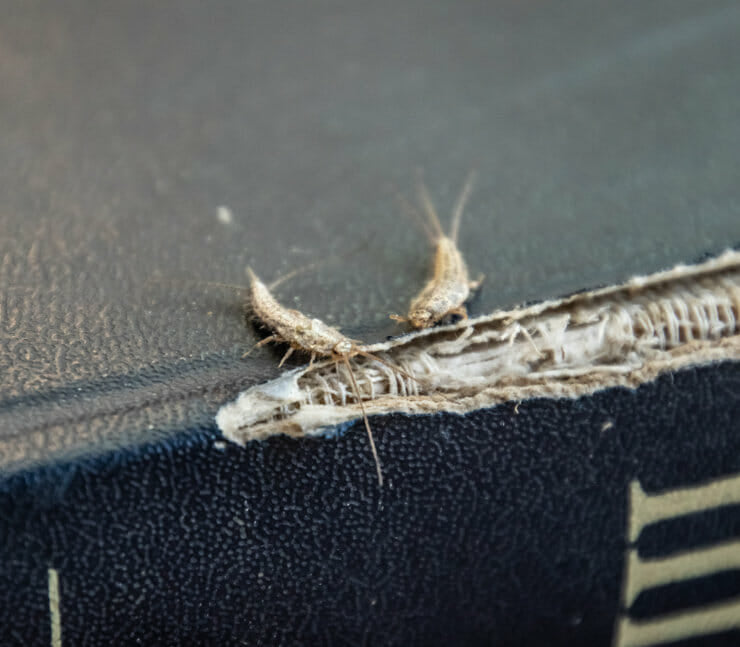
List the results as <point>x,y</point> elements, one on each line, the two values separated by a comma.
<point>620,335</point>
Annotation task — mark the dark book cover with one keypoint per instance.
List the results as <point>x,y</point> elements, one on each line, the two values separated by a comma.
<point>573,476</point>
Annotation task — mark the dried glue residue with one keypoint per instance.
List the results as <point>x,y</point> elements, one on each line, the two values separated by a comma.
<point>224,215</point>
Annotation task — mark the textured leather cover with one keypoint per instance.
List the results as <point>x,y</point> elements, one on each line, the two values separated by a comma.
<point>499,528</point>
<point>605,141</point>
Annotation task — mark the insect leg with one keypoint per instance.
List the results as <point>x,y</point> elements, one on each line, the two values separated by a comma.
<point>474,285</point>
<point>261,343</point>
<point>364,417</point>
<point>286,356</point>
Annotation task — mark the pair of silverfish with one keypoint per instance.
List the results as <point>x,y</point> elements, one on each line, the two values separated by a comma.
<point>444,295</point>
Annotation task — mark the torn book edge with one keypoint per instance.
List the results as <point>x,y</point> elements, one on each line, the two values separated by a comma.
<point>621,335</point>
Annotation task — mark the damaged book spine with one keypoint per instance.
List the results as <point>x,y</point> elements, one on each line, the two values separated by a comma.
<point>621,335</point>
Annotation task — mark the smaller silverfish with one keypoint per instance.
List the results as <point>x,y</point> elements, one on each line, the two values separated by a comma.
<point>449,288</point>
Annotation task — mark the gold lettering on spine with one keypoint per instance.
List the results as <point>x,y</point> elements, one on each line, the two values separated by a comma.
<point>56,618</point>
<point>647,573</point>
<point>685,624</point>
<point>644,574</point>
<point>645,509</point>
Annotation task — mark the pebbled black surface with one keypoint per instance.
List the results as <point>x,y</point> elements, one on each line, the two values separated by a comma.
<point>494,529</point>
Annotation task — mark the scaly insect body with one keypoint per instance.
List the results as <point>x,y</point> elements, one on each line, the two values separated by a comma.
<point>315,337</point>
<point>309,335</point>
<point>293,327</point>
<point>447,290</point>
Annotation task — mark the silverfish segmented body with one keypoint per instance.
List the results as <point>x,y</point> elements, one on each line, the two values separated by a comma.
<point>449,288</point>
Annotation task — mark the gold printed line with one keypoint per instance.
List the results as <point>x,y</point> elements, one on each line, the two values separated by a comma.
<point>646,574</point>
<point>647,509</point>
<point>706,620</point>
<point>56,618</point>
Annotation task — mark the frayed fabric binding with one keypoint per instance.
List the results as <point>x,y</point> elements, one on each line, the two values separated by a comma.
<point>616,336</point>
